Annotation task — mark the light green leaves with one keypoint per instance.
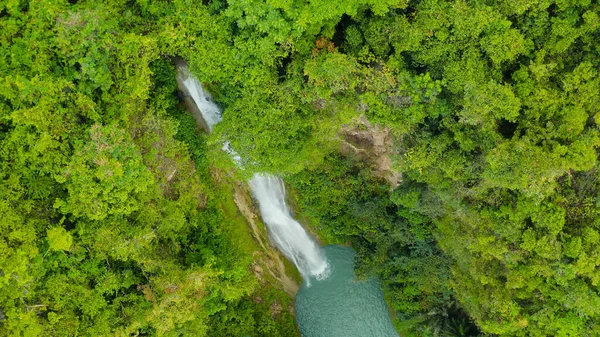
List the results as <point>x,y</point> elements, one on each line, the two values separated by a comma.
<point>59,239</point>
<point>105,176</point>
<point>504,46</point>
<point>332,73</point>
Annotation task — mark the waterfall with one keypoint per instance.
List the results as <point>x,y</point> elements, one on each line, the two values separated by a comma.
<point>288,235</point>
<point>211,113</point>
<point>285,232</point>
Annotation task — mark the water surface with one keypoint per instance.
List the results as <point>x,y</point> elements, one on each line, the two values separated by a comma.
<point>341,306</point>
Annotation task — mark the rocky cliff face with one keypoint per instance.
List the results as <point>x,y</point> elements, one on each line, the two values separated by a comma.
<point>371,144</point>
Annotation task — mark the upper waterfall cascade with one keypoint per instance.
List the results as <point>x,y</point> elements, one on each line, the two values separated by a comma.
<point>208,108</point>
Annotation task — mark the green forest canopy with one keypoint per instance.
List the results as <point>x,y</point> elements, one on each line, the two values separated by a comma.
<point>113,222</point>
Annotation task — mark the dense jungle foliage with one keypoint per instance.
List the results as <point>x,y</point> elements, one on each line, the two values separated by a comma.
<point>116,219</point>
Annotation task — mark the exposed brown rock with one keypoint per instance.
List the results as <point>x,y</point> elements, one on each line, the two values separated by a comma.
<point>372,144</point>
<point>276,309</point>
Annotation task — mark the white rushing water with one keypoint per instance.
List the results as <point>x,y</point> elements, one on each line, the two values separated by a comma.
<point>285,232</point>
<point>288,235</point>
<point>208,108</point>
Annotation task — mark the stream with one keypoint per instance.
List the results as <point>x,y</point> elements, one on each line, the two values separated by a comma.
<point>331,302</point>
